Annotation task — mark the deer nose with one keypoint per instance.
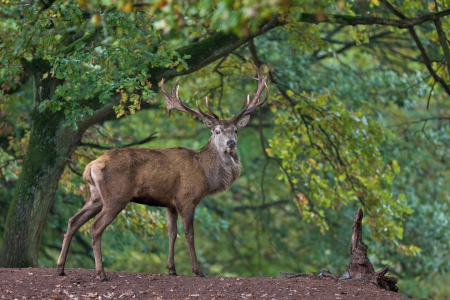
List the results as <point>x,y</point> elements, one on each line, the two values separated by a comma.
<point>231,143</point>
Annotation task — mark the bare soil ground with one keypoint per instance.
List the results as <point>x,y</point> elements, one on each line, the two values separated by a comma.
<point>31,283</point>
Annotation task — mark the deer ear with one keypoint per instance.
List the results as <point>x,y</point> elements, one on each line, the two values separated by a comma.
<point>208,123</point>
<point>242,122</point>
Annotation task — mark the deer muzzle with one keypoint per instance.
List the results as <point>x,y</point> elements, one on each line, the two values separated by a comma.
<point>231,144</point>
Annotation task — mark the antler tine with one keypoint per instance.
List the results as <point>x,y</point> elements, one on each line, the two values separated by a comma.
<point>210,110</point>
<point>204,114</point>
<point>167,96</point>
<point>255,104</point>
<point>175,86</point>
<point>173,101</point>
<point>163,88</point>
<point>250,107</point>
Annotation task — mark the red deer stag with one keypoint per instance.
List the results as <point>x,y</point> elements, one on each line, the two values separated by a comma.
<point>176,178</point>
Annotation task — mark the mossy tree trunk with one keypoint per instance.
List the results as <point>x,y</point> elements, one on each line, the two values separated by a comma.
<point>49,149</point>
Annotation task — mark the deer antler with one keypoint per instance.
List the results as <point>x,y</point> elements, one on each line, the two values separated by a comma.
<point>210,110</point>
<point>173,101</point>
<point>252,106</point>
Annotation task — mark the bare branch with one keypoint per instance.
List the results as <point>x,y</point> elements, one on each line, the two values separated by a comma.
<point>429,96</point>
<point>424,120</point>
<point>74,171</point>
<point>261,207</point>
<point>427,62</point>
<point>347,45</point>
<point>355,20</point>
<point>252,48</point>
<point>443,42</point>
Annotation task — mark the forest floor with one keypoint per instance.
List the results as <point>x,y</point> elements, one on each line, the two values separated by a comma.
<point>31,283</point>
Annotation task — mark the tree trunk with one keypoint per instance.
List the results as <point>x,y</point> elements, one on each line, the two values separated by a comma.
<point>49,149</point>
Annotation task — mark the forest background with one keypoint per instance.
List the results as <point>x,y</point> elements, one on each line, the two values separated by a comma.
<point>358,115</point>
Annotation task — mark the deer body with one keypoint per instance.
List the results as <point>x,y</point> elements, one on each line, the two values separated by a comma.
<point>164,177</point>
<point>175,178</point>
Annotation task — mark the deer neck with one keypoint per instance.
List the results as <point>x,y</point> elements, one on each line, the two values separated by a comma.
<point>221,169</point>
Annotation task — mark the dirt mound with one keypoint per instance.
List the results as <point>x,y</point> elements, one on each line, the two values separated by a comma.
<point>80,284</point>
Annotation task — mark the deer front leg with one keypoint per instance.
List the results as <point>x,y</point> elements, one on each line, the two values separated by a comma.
<point>172,216</point>
<point>188,225</point>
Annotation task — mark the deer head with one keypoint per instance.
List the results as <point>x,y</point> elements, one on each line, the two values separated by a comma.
<point>224,131</point>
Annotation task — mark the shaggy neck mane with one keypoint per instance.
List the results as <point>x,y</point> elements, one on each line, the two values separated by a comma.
<point>221,169</point>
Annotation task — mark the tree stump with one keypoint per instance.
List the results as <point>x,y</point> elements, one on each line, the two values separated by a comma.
<point>360,266</point>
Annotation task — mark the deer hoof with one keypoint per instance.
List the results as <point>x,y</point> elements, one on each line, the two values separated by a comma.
<point>61,271</point>
<point>202,275</point>
<point>102,278</point>
<point>172,271</point>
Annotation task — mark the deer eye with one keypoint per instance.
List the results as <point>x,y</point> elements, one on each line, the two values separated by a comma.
<point>217,131</point>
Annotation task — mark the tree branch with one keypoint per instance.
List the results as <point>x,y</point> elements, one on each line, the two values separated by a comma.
<point>210,49</point>
<point>416,39</point>
<point>74,171</point>
<point>427,62</point>
<point>429,97</point>
<point>443,42</point>
<point>261,207</point>
<point>221,44</point>
<point>355,20</point>
<point>213,48</point>
<point>87,36</point>
<point>151,137</point>
<point>352,44</point>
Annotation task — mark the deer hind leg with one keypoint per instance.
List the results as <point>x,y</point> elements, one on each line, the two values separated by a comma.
<point>172,216</point>
<point>92,207</point>
<point>187,217</point>
<point>103,219</point>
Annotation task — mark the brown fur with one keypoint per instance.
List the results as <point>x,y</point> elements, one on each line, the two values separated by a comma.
<point>175,178</point>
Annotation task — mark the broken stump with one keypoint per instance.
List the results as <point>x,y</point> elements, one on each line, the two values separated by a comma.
<point>360,266</point>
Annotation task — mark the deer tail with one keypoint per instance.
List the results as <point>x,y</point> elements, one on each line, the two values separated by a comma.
<point>87,174</point>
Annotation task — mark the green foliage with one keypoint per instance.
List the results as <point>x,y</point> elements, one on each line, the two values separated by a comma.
<point>330,156</point>
<point>93,66</point>
<point>346,125</point>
